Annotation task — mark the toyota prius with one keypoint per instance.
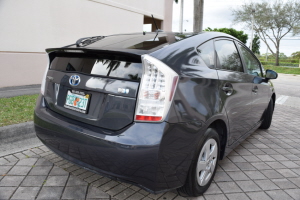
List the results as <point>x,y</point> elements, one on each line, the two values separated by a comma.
<point>157,110</point>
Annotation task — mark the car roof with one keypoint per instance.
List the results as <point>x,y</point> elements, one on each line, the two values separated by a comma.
<point>144,42</point>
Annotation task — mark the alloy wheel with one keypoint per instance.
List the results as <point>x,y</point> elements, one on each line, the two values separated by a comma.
<point>207,161</point>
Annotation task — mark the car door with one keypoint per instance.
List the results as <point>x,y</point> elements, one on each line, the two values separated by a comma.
<point>235,87</point>
<point>260,88</point>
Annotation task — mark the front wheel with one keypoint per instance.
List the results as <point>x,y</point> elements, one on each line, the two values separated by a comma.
<point>204,165</point>
<point>267,117</point>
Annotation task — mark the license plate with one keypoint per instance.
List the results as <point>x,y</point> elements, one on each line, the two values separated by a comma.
<point>77,101</point>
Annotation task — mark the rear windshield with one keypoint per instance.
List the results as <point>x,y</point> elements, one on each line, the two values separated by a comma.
<point>101,67</point>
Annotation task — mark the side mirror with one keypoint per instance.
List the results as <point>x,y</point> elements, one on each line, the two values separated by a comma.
<point>270,74</point>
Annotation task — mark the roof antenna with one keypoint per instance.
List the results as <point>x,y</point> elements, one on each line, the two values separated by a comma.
<point>157,29</point>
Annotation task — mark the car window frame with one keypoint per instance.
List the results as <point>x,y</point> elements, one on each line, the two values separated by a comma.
<point>217,61</point>
<point>243,59</point>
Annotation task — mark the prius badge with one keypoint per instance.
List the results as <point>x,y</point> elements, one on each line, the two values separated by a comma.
<point>74,80</point>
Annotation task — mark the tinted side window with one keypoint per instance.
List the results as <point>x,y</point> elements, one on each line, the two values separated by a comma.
<point>227,55</point>
<point>252,65</point>
<point>206,52</point>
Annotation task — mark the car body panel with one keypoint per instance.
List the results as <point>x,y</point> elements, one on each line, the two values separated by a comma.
<point>155,156</point>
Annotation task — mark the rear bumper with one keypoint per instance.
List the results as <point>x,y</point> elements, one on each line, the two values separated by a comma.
<point>153,156</point>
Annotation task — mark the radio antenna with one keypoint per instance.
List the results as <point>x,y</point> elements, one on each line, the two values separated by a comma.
<point>155,23</point>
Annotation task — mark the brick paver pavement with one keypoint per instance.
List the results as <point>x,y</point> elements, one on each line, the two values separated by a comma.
<point>265,166</point>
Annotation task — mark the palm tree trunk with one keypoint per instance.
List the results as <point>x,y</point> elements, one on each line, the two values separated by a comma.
<point>181,17</point>
<point>198,15</point>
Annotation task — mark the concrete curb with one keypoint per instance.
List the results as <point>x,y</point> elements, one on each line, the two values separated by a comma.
<point>8,92</point>
<point>16,132</point>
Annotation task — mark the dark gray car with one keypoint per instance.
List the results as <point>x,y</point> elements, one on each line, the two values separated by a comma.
<point>154,109</point>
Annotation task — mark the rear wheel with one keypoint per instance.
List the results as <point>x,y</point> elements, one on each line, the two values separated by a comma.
<point>204,165</point>
<point>267,117</point>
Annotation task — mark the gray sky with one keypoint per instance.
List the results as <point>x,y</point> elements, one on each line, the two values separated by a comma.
<point>218,14</point>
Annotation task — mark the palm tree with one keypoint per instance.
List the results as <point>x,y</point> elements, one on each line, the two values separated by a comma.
<point>181,16</point>
<point>198,15</point>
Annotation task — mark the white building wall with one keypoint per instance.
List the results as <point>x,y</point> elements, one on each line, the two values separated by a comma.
<point>145,7</point>
<point>31,26</point>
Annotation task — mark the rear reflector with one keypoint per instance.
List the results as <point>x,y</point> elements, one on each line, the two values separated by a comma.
<point>156,91</point>
<point>147,118</point>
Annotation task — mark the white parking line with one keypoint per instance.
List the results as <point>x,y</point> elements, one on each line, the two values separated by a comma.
<point>282,99</point>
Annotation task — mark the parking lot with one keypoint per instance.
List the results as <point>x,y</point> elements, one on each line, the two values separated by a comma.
<point>265,166</point>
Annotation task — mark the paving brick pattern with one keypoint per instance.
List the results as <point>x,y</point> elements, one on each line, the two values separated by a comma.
<point>265,166</point>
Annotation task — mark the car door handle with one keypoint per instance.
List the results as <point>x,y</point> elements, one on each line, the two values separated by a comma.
<point>228,89</point>
<point>255,89</point>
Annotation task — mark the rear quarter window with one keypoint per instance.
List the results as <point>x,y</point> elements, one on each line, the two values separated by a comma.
<point>206,52</point>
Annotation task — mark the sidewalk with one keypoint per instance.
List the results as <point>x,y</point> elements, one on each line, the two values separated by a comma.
<point>39,173</point>
<point>265,166</point>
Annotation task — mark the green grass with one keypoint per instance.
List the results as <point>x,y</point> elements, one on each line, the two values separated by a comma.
<point>284,70</point>
<point>17,109</point>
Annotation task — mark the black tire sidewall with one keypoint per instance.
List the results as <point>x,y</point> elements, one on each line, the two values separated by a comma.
<point>194,188</point>
<point>267,119</point>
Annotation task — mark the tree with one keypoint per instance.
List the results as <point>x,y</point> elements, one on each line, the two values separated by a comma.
<point>296,55</point>
<point>282,55</point>
<point>181,16</point>
<point>198,15</point>
<point>256,44</point>
<point>268,55</point>
<point>272,21</point>
<point>238,34</point>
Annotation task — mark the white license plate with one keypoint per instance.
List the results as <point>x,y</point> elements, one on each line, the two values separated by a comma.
<point>77,101</point>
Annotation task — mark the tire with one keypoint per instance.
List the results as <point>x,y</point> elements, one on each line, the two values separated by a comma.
<point>267,117</point>
<point>201,175</point>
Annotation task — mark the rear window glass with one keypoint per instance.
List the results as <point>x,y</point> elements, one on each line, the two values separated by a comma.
<point>102,67</point>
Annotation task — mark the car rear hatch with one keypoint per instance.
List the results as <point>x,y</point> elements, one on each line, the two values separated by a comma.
<point>96,81</point>
<point>94,87</point>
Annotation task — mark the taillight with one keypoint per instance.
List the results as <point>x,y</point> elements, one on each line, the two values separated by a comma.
<point>43,85</point>
<point>156,91</point>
